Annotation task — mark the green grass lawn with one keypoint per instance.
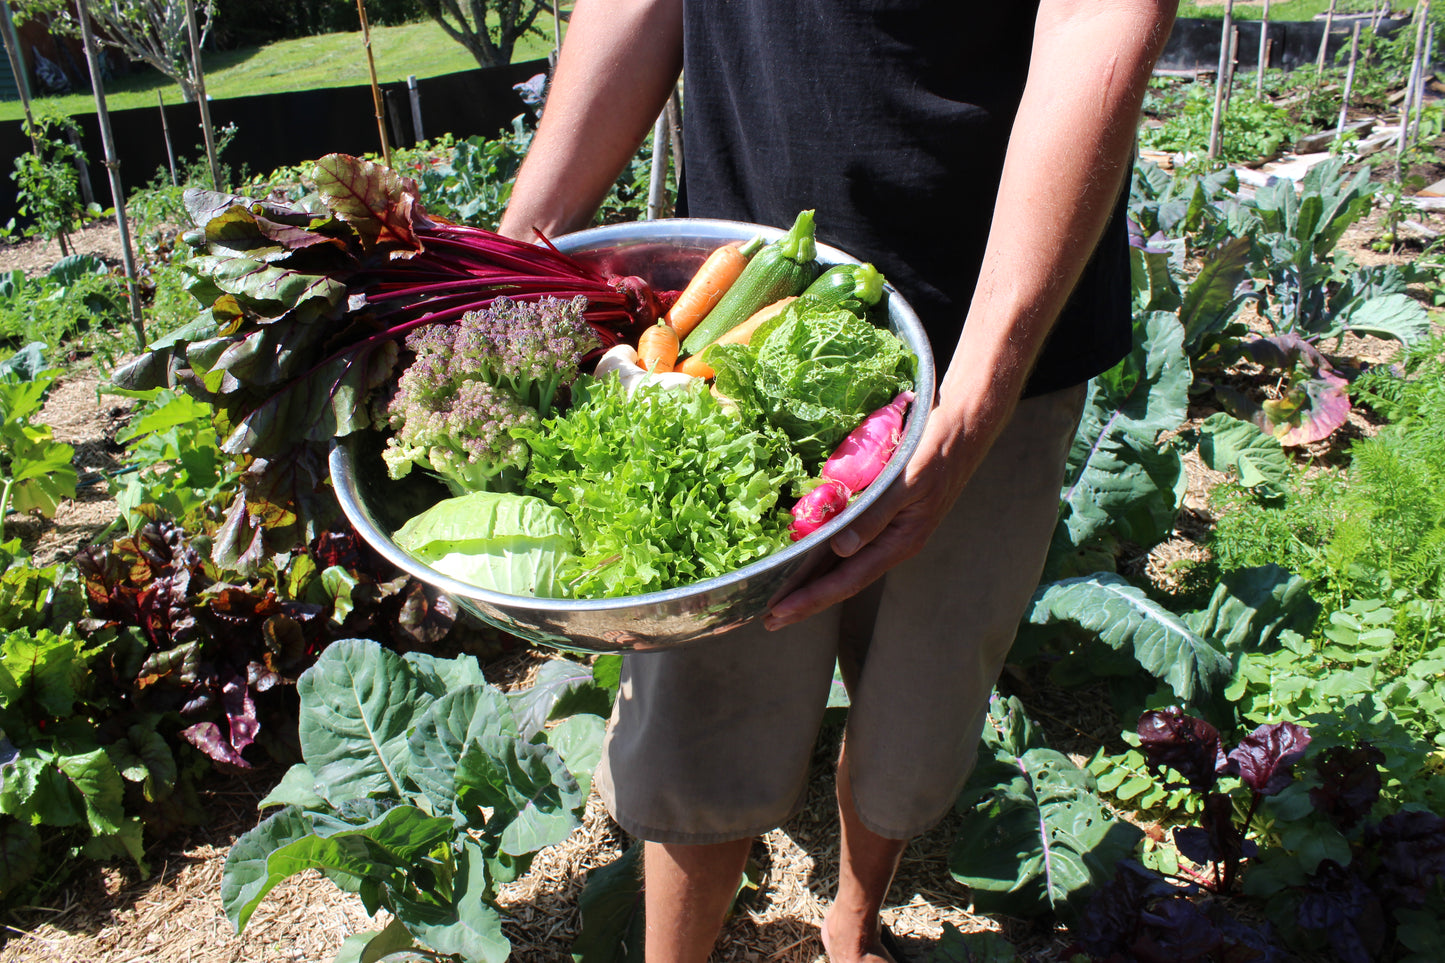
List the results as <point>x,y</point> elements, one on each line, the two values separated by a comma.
<point>1283,10</point>
<point>330,60</point>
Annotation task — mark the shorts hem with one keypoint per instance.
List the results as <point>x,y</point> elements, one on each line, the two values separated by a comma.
<point>684,838</point>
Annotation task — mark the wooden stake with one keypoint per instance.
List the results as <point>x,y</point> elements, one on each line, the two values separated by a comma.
<point>22,80</point>
<point>375,87</point>
<point>112,166</point>
<point>1216,123</point>
<point>198,80</point>
<point>1263,52</point>
<point>1349,79</point>
<point>1325,41</point>
<point>657,182</point>
<point>1422,12</point>
<point>415,94</point>
<point>1424,56</point>
<point>166,133</point>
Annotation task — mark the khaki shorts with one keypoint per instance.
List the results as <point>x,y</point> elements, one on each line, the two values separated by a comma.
<point>712,741</point>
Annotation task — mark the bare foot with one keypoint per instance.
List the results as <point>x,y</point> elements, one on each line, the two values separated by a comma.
<point>855,948</point>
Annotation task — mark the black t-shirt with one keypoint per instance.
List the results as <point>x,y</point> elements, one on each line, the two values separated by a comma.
<point>890,118</point>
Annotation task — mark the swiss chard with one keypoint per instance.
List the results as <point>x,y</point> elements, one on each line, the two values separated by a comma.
<point>303,308</point>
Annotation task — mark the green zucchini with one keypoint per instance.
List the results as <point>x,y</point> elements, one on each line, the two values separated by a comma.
<point>856,287</point>
<point>781,269</point>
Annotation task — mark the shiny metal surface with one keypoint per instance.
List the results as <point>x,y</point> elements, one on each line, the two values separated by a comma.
<point>665,252</point>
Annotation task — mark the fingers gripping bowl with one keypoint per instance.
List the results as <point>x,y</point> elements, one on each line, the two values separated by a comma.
<point>666,253</point>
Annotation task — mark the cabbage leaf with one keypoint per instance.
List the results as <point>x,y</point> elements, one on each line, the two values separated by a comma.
<point>517,544</point>
<point>815,373</point>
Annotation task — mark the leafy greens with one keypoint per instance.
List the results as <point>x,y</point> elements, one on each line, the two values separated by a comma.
<point>665,488</point>
<point>814,373</point>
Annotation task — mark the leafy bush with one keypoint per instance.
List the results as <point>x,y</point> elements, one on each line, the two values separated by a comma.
<point>46,182</point>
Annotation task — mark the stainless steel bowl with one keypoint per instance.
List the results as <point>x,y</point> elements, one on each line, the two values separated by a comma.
<point>665,252</point>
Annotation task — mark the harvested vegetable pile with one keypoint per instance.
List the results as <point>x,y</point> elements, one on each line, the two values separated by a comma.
<point>352,309</point>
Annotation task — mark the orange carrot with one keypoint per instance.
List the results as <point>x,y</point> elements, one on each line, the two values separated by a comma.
<point>657,348</point>
<point>709,284</point>
<point>741,334</point>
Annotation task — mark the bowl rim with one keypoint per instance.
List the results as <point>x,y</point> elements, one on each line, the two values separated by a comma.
<point>581,243</point>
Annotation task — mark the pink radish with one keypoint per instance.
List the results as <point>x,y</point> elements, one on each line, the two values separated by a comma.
<point>861,456</point>
<point>815,508</point>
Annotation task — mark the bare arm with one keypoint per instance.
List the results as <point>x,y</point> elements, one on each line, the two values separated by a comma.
<point>1066,161</point>
<point>618,65</point>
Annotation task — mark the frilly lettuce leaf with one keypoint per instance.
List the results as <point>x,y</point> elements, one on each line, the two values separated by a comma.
<point>515,544</point>
<point>814,373</point>
<point>665,487</point>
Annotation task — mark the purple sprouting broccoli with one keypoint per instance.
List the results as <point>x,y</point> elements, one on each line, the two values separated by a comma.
<point>472,382</point>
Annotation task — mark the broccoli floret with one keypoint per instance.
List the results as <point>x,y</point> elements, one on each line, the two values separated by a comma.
<point>472,382</point>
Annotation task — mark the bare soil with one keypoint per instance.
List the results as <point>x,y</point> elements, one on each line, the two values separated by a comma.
<point>116,915</point>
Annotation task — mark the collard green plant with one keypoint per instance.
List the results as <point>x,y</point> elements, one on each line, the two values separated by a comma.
<point>1034,836</point>
<point>35,469</point>
<point>420,789</point>
<point>1120,482</point>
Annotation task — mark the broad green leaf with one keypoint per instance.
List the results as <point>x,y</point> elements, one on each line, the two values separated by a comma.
<point>469,926</point>
<point>144,756</point>
<point>439,676</point>
<point>1119,480</point>
<point>1397,316</point>
<point>375,945</point>
<point>611,911</point>
<point>257,281</point>
<point>1212,299</point>
<point>562,687</point>
<point>532,796</point>
<point>578,739</point>
<point>444,732</point>
<point>1251,607</point>
<point>358,702</point>
<point>296,788</point>
<point>42,671</point>
<point>101,787</point>
<point>1034,837</point>
<point>1124,618</point>
<point>1227,442</point>
<point>290,841</point>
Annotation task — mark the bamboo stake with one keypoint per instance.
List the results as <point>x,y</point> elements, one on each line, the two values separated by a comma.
<point>1263,52</point>
<point>415,94</point>
<point>657,183</point>
<point>375,88</point>
<point>674,133</point>
<point>1325,42</point>
<point>166,133</point>
<point>112,166</point>
<point>199,82</point>
<point>22,80</point>
<point>1420,80</point>
<point>1349,80</point>
<point>1422,11</point>
<point>1217,121</point>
